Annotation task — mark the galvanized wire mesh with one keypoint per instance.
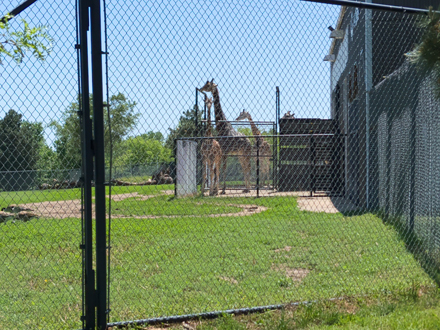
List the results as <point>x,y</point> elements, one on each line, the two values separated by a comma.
<point>352,151</point>
<point>348,207</point>
<point>40,225</point>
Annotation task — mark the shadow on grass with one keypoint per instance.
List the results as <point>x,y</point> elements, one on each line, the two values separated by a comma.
<point>426,254</point>
<point>346,207</point>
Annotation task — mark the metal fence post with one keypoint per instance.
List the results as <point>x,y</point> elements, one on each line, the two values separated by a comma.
<point>258,166</point>
<point>87,169</point>
<point>100,204</point>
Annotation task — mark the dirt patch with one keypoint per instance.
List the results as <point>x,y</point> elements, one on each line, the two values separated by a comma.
<point>72,208</point>
<point>296,274</point>
<point>246,211</point>
<point>121,197</point>
<point>229,279</point>
<point>325,204</point>
<point>286,248</point>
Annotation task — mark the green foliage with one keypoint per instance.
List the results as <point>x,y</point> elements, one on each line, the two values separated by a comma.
<point>185,128</point>
<point>15,44</point>
<point>426,55</point>
<point>248,131</point>
<point>158,136</point>
<point>68,133</point>
<point>143,149</point>
<point>20,142</point>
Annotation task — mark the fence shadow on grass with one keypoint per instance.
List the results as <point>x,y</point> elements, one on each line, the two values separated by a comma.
<point>426,254</point>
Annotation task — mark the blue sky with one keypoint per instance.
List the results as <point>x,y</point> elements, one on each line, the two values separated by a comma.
<point>161,50</point>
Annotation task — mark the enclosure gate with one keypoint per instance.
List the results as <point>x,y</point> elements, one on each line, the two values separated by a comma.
<point>311,156</point>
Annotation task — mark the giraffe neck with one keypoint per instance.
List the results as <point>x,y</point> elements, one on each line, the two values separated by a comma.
<point>254,128</point>
<point>223,128</point>
<point>208,124</point>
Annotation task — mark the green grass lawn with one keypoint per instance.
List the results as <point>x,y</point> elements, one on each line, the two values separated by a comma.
<point>384,311</point>
<point>183,264</point>
<point>135,179</point>
<point>134,206</point>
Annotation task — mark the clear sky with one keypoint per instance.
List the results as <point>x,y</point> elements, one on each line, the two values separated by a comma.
<point>161,50</point>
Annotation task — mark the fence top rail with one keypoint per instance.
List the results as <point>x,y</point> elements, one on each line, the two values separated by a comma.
<point>241,122</point>
<point>376,6</point>
<point>255,137</point>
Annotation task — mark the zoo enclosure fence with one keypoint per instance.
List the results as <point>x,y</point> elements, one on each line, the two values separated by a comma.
<point>171,261</point>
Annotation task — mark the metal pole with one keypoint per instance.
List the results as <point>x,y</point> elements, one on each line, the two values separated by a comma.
<point>278,114</point>
<point>196,108</point>
<point>258,167</point>
<point>274,155</point>
<point>412,176</point>
<point>368,86</point>
<point>87,168</point>
<point>175,161</point>
<point>197,112</point>
<point>100,204</point>
<point>312,165</point>
<point>17,10</point>
<point>277,123</point>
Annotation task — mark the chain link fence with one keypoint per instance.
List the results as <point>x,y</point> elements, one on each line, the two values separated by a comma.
<point>40,230</point>
<point>257,154</point>
<point>352,152</point>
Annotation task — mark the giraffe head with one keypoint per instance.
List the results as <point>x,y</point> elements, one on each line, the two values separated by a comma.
<point>208,102</point>
<point>244,115</point>
<point>209,86</point>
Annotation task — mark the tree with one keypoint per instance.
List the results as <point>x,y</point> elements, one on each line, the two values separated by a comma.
<point>426,55</point>
<point>158,136</point>
<point>16,44</point>
<point>185,128</point>
<point>47,158</point>
<point>142,150</point>
<point>68,132</point>
<point>20,142</point>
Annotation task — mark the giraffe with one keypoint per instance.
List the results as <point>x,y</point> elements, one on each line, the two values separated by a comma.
<point>265,150</point>
<point>231,141</point>
<point>211,155</point>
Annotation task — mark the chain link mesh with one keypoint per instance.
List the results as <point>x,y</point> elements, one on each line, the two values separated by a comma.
<point>40,221</point>
<point>213,104</point>
<point>351,151</point>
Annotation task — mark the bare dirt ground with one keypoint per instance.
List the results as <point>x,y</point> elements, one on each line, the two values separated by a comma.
<point>316,203</point>
<point>326,204</point>
<point>319,202</point>
<point>72,208</point>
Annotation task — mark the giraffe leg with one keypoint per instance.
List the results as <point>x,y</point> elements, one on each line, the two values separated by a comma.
<point>212,176</point>
<point>265,171</point>
<point>223,173</point>
<point>217,174</point>
<point>248,174</point>
<point>216,170</point>
<point>202,187</point>
<point>245,163</point>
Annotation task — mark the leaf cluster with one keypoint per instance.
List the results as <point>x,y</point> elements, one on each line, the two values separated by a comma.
<point>426,55</point>
<point>15,44</point>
